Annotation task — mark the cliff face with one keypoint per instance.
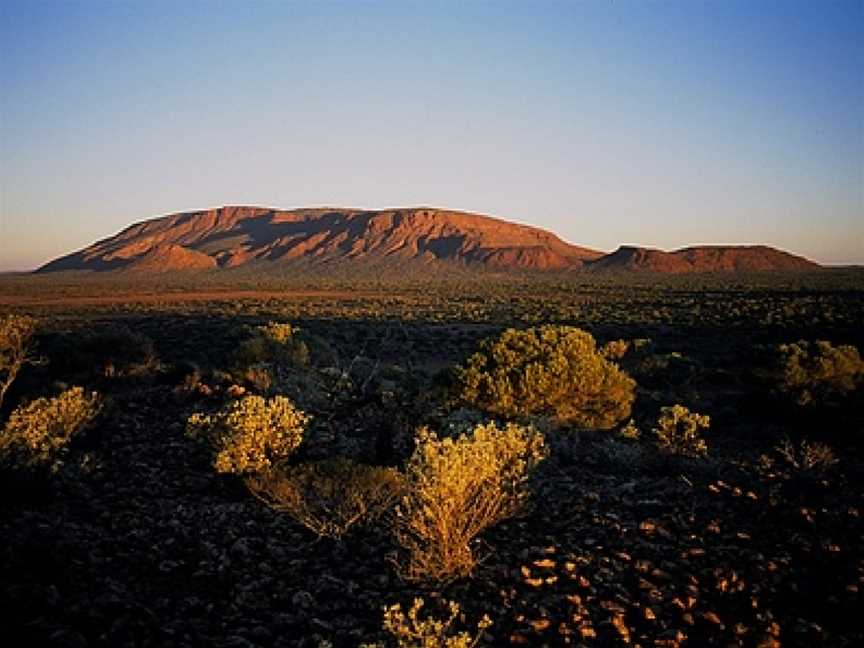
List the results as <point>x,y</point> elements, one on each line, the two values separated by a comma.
<point>233,236</point>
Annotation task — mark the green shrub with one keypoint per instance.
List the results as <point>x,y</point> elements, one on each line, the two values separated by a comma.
<point>38,433</point>
<point>456,488</point>
<point>16,340</point>
<point>410,631</point>
<point>329,496</point>
<point>679,431</point>
<point>817,372</point>
<point>108,350</point>
<point>547,370</point>
<point>276,344</point>
<point>252,434</point>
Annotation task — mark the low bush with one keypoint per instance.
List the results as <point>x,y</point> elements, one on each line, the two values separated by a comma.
<point>548,370</point>
<point>615,349</point>
<point>252,434</point>
<point>16,342</point>
<point>411,631</point>
<point>276,344</point>
<point>38,433</point>
<point>629,431</point>
<point>456,488</point>
<point>818,372</point>
<point>679,431</point>
<point>809,458</point>
<point>330,496</point>
<point>109,351</point>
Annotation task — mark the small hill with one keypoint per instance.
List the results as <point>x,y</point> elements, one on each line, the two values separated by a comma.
<point>228,237</point>
<point>164,257</point>
<point>704,258</point>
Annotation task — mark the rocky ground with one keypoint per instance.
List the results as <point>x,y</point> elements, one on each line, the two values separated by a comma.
<point>137,542</point>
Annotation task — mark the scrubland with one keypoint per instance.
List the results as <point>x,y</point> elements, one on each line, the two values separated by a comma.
<point>490,461</point>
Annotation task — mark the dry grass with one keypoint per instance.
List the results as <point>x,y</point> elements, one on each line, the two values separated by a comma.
<point>331,496</point>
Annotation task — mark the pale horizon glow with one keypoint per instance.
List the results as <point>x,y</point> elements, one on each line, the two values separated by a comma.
<point>662,124</point>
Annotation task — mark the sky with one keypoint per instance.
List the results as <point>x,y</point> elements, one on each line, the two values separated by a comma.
<point>609,122</point>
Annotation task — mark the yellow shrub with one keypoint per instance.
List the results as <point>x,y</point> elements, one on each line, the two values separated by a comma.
<point>813,372</point>
<point>38,433</point>
<point>251,434</point>
<point>329,496</point>
<point>679,430</point>
<point>456,488</point>
<point>549,370</point>
<point>16,337</point>
<point>615,350</point>
<point>410,631</point>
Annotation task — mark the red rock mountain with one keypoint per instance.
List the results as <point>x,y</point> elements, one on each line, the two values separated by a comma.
<point>704,258</point>
<point>232,236</point>
<point>229,237</point>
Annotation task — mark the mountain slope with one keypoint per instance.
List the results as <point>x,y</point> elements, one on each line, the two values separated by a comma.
<point>230,237</point>
<point>704,258</point>
<point>234,236</point>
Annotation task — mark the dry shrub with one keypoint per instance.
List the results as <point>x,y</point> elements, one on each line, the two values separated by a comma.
<point>547,370</point>
<point>456,488</point>
<point>411,631</point>
<point>813,458</point>
<point>252,434</point>
<point>330,496</point>
<point>275,343</point>
<point>816,372</point>
<point>615,349</point>
<point>16,339</point>
<point>39,432</point>
<point>629,431</point>
<point>679,431</point>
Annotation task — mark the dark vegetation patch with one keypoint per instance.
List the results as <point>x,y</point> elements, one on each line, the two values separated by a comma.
<point>134,539</point>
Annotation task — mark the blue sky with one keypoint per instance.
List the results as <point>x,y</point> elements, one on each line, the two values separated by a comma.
<point>612,122</point>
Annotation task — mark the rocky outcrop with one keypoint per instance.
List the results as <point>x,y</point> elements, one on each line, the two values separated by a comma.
<point>234,236</point>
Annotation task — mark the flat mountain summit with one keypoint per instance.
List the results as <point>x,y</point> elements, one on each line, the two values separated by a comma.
<point>229,237</point>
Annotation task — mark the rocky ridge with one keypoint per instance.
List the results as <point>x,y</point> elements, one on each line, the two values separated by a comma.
<point>230,237</point>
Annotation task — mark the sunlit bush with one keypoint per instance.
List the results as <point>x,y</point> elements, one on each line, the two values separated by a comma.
<point>629,431</point>
<point>456,488</point>
<point>16,341</point>
<point>330,496</point>
<point>814,372</point>
<point>252,434</point>
<point>548,370</point>
<point>411,631</point>
<point>39,432</point>
<point>679,431</point>
<point>615,349</point>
